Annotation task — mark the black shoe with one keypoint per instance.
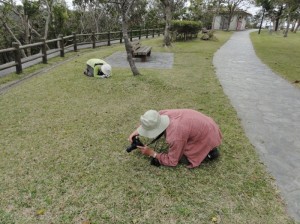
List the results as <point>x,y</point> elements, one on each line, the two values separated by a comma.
<point>213,154</point>
<point>184,160</point>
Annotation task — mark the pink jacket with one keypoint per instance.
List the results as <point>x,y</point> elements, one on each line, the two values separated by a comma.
<point>189,133</point>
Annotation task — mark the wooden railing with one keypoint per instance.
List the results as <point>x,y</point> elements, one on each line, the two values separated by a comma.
<point>70,43</point>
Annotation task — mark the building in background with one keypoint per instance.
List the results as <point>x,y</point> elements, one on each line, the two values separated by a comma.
<point>238,21</point>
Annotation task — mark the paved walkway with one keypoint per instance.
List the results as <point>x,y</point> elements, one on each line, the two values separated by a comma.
<point>269,108</point>
<point>157,60</point>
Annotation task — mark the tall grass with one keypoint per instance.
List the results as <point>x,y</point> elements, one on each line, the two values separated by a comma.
<point>63,140</point>
<point>280,53</point>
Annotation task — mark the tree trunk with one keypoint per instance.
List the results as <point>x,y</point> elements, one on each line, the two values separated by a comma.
<point>231,10</point>
<point>128,46</point>
<point>288,22</point>
<point>262,19</point>
<point>297,27</point>
<point>15,38</point>
<point>293,25</point>
<point>48,18</point>
<point>278,18</point>
<point>216,14</point>
<point>229,21</point>
<point>168,18</point>
<point>27,34</point>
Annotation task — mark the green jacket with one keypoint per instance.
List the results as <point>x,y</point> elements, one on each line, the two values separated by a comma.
<point>96,64</point>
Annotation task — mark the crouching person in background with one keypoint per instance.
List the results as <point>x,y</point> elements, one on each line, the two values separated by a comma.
<point>97,68</point>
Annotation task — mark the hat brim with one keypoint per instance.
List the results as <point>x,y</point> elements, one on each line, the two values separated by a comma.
<point>106,73</point>
<point>105,70</point>
<point>164,123</point>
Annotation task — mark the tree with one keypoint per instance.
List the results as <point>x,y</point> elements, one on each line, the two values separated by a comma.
<point>96,15</point>
<point>154,14</point>
<point>266,5</point>
<point>291,7</point>
<point>17,21</point>
<point>297,27</point>
<point>232,6</point>
<point>170,6</point>
<point>168,18</point>
<point>125,7</point>
<point>60,16</point>
<point>214,6</point>
<point>276,12</point>
<point>195,10</point>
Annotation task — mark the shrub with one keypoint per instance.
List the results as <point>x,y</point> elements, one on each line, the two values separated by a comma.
<point>185,28</point>
<point>209,35</point>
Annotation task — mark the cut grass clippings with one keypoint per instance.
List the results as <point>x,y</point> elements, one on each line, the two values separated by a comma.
<point>280,53</point>
<point>64,135</point>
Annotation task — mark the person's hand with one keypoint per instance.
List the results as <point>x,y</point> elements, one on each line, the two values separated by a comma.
<point>145,150</point>
<point>132,135</point>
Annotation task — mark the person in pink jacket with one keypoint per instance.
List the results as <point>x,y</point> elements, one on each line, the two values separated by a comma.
<point>189,134</point>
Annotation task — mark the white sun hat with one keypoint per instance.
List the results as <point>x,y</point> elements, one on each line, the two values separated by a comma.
<point>106,69</point>
<point>153,124</point>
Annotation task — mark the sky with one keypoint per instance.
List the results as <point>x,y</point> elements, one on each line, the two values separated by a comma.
<point>253,10</point>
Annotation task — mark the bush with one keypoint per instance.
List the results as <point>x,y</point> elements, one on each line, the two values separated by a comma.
<point>209,35</point>
<point>185,29</point>
<point>185,26</point>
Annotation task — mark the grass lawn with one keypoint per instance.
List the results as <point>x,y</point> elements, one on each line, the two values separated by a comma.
<point>63,140</point>
<point>280,53</point>
<point>35,68</point>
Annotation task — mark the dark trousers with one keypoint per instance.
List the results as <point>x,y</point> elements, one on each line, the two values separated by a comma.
<point>213,154</point>
<point>89,71</point>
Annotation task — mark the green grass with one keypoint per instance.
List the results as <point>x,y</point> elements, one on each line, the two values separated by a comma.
<point>35,68</point>
<point>63,140</point>
<point>280,53</point>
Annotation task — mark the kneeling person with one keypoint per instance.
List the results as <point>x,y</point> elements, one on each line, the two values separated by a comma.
<point>190,135</point>
<point>97,68</point>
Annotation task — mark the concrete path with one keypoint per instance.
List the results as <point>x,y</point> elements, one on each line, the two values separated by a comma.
<point>157,60</point>
<point>269,108</point>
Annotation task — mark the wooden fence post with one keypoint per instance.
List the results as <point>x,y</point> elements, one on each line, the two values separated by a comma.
<point>158,31</point>
<point>108,38</point>
<point>44,51</point>
<point>121,37</point>
<point>153,32</point>
<point>93,39</point>
<point>147,32</point>
<point>74,41</point>
<point>61,45</point>
<point>17,57</point>
<point>130,35</point>
<point>140,33</point>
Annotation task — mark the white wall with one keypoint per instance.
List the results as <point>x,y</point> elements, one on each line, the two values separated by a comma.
<point>233,23</point>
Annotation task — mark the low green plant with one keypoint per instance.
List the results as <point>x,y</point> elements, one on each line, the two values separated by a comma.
<point>209,35</point>
<point>185,26</point>
<point>185,29</point>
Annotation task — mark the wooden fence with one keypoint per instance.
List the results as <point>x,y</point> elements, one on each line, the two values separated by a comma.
<point>69,42</point>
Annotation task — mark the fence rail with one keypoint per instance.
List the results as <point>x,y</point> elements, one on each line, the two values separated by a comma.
<point>66,42</point>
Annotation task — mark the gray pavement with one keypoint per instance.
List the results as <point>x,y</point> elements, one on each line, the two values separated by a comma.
<point>269,108</point>
<point>155,60</point>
